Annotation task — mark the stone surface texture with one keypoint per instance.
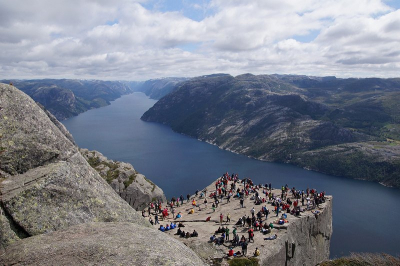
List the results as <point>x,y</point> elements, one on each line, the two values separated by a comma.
<point>46,184</point>
<point>133,187</point>
<point>101,244</point>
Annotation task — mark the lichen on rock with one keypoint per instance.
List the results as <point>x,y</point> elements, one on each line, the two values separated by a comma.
<point>133,187</point>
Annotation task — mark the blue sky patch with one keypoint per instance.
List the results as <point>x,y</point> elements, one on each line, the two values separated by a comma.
<point>112,22</point>
<point>194,9</point>
<point>393,3</point>
<point>189,47</point>
<point>308,37</point>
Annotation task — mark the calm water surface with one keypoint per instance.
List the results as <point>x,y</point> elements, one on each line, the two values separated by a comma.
<point>365,214</point>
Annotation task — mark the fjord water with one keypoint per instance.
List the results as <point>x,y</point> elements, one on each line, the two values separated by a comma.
<point>365,214</point>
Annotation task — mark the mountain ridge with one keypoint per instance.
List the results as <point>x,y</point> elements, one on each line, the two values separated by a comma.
<point>270,118</point>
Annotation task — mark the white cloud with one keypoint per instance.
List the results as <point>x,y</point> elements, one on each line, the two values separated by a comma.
<point>75,39</point>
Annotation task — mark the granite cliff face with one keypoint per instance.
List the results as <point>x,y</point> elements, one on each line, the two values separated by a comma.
<point>293,119</point>
<point>306,242</point>
<point>133,187</point>
<point>52,199</point>
<point>46,184</point>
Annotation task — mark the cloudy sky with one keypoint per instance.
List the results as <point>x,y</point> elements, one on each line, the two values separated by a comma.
<point>139,39</point>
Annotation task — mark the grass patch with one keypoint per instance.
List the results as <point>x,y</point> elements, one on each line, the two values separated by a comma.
<point>154,185</point>
<point>94,161</point>
<point>243,262</point>
<point>130,180</point>
<point>111,175</point>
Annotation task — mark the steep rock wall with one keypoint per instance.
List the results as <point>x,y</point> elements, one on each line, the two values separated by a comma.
<point>306,242</point>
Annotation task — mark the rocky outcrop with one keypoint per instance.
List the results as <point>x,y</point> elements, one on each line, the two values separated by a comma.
<point>101,244</point>
<point>133,187</point>
<point>46,183</point>
<point>301,240</point>
<point>55,209</point>
<point>306,242</point>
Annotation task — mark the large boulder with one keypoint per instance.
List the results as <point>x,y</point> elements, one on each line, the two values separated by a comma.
<point>45,183</point>
<point>133,187</point>
<point>101,244</point>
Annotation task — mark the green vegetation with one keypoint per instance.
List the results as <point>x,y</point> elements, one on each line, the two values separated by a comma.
<point>364,259</point>
<point>111,175</point>
<point>154,185</point>
<point>94,161</point>
<point>130,180</point>
<point>285,118</point>
<point>243,262</point>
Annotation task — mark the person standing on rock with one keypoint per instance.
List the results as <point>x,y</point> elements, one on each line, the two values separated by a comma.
<point>221,217</point>
<point>244,248</point>
<point>277,209</point>
<point>156,219</point>
<point>228,217</point>
<point>227,234</point>
<point>241,203</point>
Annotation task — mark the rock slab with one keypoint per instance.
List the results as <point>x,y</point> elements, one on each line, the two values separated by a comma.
<point>101,244</point>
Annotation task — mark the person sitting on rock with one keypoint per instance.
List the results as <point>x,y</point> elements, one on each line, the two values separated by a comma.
<point>182,234</point>
<point>187,235</point>
<point>212,238</point>
<point>265,230</point>
<point>220,240</point>
<point>230,252</point>
<point>162,228</point>
<point>256,252</point>
<point>178,232</point>
<point>180,224</point>
<point>194,234</point>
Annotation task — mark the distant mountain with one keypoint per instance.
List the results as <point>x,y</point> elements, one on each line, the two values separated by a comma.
<point>65,98</point>
<point>344,127</point>
<point>158,88</point>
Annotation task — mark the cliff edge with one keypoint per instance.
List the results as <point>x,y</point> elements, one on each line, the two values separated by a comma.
<point>303,239</point>
<point>52,201</point>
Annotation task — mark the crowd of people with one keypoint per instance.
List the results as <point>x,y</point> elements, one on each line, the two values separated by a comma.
<point>289,201</point>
